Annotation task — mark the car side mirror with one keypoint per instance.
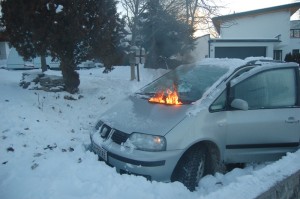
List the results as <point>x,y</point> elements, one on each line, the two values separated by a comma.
<point>240,104</point>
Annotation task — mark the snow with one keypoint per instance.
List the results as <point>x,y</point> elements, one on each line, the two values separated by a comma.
<point>44,140</point>
<point>59,8</point>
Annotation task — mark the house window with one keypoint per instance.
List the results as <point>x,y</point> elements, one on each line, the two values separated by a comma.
<point>277,55</point>
<point>295,33</point>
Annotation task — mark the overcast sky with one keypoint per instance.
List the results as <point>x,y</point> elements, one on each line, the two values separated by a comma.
<point>246,5</point>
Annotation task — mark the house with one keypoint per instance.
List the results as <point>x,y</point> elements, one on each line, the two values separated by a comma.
<point>201,48</point>
<point>267,32</point>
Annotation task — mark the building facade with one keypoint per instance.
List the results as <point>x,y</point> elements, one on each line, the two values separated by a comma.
<point>267,32</point>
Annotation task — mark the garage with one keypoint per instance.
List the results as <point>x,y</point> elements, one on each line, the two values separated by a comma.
<point>240,52</point>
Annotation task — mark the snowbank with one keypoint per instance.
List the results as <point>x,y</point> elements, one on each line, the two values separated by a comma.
<point>44,140</point>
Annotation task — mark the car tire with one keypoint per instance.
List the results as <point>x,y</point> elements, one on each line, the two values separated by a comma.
<point>191,167</point>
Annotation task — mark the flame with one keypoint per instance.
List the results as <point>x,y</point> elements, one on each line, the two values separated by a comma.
<point>166,97</point>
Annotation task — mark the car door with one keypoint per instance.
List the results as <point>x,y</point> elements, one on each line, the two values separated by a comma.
<point>270,127</point>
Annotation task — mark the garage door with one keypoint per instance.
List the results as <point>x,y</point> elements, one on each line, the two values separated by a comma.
<point>240,52</point>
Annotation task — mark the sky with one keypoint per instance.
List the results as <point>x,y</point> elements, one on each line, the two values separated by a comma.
<point>246,5</point>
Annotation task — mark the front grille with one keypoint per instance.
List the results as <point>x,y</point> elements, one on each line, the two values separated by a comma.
<point>119,137</point>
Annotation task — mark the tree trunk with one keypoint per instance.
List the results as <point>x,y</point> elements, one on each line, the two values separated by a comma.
<point>152,58</point>
<point>70,76</point>
<point>187,11</point>
<point>43,63</point>
<point>193,14</point>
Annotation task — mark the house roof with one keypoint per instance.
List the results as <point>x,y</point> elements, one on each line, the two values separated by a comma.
<point>244,40</point>
<point>292,8</point>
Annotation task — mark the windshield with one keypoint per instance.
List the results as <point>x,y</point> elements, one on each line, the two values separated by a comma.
<point>189,81</point>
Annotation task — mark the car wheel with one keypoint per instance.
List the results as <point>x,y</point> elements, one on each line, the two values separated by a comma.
<point>191,167</point>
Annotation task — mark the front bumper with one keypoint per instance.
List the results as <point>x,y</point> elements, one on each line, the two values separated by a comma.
<point>156,166</point>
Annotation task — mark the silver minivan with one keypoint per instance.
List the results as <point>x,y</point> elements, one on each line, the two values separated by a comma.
<point>198,117</point>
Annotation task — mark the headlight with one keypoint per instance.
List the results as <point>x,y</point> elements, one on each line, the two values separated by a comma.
<point>146,142</point>
<point>97,127</point>
<point>99,124</point>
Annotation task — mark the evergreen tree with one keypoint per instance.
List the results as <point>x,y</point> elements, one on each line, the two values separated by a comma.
<point>26,26</point>
<point>292,57</point>
<point>297,58</point>
<point>164,35</point>
<point>108,45</point>
<point>289,57</point>
<point>71,31</point>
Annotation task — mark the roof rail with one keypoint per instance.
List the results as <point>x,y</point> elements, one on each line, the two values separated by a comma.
<point>253,62</point>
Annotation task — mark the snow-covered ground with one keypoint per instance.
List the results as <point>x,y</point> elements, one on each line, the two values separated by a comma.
<point>44,139</point>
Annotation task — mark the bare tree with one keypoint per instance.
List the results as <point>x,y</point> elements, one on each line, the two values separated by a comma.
<point>133,10</point>
<point>196,13</point>
<point>200,13</point>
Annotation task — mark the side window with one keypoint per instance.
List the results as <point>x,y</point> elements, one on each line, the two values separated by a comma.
<point>220,103</point>
<point>269,89</point>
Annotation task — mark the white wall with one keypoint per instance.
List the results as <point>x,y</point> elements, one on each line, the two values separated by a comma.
<point>261,26</point>
<point>294,44</point>
<point>201,48</point>
<point>266,26</point>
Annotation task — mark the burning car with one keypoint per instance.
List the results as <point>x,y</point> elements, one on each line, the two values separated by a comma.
<point>192,120</point>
